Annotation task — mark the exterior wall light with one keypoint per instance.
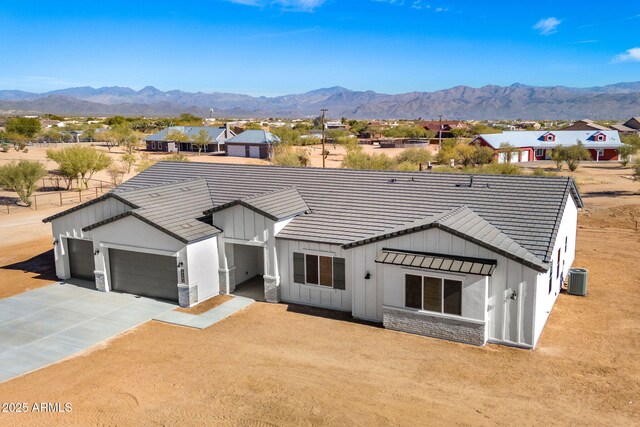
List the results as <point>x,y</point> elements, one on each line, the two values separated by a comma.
<point>514,295</point>
<point>367,276</point>
<point>55,242</point>
<point>97,252</point>
<point>180,264</point>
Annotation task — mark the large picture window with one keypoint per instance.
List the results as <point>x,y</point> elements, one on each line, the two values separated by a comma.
<point>320,270</point>
<point>433,294</point>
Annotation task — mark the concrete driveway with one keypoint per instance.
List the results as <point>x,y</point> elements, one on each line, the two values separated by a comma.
<point>46,325</point>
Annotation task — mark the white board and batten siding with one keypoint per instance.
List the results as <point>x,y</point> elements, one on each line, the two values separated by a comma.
<point>315,295</point>
<point>545,299</point>
<point>507,319</point>
<point>243,226</point>
<point>71,225</point>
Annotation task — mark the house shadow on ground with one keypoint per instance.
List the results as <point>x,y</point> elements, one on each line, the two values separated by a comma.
<point>609,193</point>
<point>328,314</point>
<point>42,265</point>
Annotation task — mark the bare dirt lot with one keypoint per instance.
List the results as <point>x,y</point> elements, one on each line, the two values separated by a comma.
<point>290,365</point>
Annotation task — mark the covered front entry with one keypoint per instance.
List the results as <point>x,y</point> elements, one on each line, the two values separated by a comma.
<point>81,258</point>
<point>144,274</point>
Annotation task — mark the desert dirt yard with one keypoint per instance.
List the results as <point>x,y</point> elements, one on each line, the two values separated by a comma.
<point>292,365</point>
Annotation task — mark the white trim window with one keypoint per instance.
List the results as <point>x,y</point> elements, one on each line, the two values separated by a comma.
<point>433,294</point>
<point>539,152</point>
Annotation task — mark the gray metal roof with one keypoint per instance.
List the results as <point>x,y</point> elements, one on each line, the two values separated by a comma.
<point>535,138</point>
<point>216,133</point>
<point>254,137</point>
<point>176,209</point>
<point>275,205</point>
<point>348,205</point>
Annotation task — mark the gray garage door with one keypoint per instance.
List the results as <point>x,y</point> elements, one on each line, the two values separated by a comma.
<point>144,274</point>
<point>81,258</point>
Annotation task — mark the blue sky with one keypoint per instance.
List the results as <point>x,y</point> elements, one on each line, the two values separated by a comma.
<point>273,47</point>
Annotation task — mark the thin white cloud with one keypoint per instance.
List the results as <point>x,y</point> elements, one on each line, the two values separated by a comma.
<point>415,4</point>
<point>630,55</point>
<point>289,5</point>
<point>547,26</point>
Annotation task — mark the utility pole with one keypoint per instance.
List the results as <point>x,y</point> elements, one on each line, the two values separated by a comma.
<point>324,110</point>
<point>440,132</point>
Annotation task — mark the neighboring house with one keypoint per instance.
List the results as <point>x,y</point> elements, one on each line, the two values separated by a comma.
<point>446,127</point>
<point>160,141</point>
<point>258,144</point>
<point>538,145</point>
<point>630,127</point>
<point>453,256</point>
<point>335,125</point>
<point>48,124</point>
<point>585,124</point>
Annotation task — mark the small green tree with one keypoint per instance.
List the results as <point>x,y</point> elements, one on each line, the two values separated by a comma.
<point>558,155</point>
<point>116,174</point>
<point>28,127</point>
<point>482,155</point>
<point>108,137</point>
<point>79,163</point>
<point>575,154</point>
<point>145,163</point>
<point>201,140</point>
<point>630,145</point>
<point>22,177</point>
<point>508,150</point>
<point>128,160</point>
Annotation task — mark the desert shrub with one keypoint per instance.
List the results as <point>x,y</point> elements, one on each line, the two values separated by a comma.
<point>500,169</point>
<point>128,160</point>
<point>630,145</point>
<point>575,154</point>
<point>145,163</point>
<point>357,159</point>
<point>176,157</point>
<point>4,147</point>
<point>466,154</point>
<point>414,155</point>
<point>406,166</point>
<point>636,170</point>
<point>116,174</point>
<point>558,156</point>
<point>22,177</point>
<point>542,172</point>
<point>288,156</point>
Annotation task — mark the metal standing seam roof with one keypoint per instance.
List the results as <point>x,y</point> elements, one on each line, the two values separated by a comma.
<point>190,131</point>
<point>175,209</point>
<point>348,205</point>
<point>254,137</point>
<point>436,261</point>
<point>275,205</point>
<point>521,139</point>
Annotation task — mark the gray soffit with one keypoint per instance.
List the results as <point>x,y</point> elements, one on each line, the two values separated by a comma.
<point>348,205</point>
<point>439,262</point>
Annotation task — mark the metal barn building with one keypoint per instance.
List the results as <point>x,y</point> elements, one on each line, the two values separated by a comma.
<point>452,256</point>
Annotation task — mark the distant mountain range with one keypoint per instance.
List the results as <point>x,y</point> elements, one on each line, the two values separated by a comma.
<point>616,101</point>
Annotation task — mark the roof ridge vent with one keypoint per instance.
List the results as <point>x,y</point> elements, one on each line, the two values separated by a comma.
<point>392,181</point>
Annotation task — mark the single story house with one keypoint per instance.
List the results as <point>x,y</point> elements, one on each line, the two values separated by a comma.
<point>443,128</point>
<point>630,127</point>
<point>585,124</point>
<point>454,256</point>
<point>538,145</point>
<point>161,141</point>
<point>258,144</point>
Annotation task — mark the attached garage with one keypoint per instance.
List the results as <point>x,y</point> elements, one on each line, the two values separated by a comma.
<point>236,150</point>
<point>144,274</point>
<point>81,258</point>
